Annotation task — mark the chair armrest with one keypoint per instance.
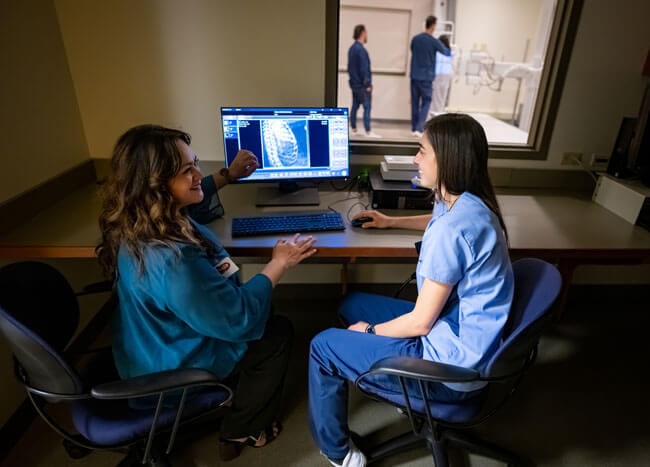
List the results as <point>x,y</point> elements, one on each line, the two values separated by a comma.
<point>417,368</point>
<point>96,287</point>
<point>155,383</point>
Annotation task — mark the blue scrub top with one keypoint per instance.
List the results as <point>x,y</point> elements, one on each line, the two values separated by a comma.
<point>359,66</point>
<point>180,312</point>
<point>423,56</point>
<point>466,247</point>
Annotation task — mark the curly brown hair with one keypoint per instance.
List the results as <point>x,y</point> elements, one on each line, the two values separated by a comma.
<point>138,209</point>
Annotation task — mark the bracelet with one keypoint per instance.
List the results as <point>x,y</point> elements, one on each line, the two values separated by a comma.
<point>370,329</point>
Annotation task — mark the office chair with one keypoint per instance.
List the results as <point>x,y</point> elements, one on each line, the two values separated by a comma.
<point>537,285</point>
<point>39,314</point>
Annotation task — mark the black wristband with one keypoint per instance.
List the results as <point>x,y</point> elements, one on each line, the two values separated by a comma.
<point>370,329</point>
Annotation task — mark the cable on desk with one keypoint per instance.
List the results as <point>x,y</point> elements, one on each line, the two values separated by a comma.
<point>357,196</point>
<point>365,206</point>
<point>346,186</point>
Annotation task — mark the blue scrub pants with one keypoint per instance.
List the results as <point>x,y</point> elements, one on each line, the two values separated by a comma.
<point>338,356</point>
<point>360,97</point>
<point>421,92</point>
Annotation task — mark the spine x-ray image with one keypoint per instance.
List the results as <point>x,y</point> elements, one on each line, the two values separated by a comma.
<point>284,144</point>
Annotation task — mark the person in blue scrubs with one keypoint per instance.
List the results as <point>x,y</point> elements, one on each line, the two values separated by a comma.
<point>423,71</point>
<point>465,287</point>
<point>181,302</point>
<point>360,79</point>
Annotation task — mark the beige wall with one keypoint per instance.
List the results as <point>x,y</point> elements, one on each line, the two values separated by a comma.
<point>176,63</point>
<point>39,116</point>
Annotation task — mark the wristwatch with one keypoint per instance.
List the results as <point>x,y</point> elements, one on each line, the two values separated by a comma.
<point>225,173</point>
<point>370,329</point>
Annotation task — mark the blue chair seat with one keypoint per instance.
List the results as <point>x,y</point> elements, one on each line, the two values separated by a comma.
<point>460,412</point>
<point>115,422</point>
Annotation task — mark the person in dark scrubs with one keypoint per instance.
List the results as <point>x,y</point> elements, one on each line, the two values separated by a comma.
<point>360,80</point>
<point>423,71</point>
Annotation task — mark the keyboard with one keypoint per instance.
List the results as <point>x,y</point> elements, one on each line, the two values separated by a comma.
<point>289,223</point>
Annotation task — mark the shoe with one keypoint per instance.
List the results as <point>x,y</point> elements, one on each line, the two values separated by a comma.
<point>354,458</point>
<point>417,134</point>
<point>372,134</point>
<point>354,131</point>
<point>230,449</point>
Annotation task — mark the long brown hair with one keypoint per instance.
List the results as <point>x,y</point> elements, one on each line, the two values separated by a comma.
<point>138,208</point>
<point>461,149</point>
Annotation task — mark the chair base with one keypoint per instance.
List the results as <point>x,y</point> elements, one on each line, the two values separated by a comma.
<point>157,457</point>
<point>73,450</point>
<point>448,437</point>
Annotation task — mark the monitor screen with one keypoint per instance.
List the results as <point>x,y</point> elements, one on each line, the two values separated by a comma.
<point>290,143</point>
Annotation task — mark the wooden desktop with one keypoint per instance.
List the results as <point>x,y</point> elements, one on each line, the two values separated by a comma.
<point>565,229</point>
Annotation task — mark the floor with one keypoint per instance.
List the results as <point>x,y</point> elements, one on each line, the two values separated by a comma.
<point>496,131</point>
<point>584,403</point>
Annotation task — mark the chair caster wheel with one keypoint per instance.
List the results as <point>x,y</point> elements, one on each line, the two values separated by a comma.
<point>159,460</point>
<point>74,450</point>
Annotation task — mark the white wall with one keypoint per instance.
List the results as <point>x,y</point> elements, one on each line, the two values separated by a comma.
<point>39,116</point>
<point>500,27</point>
<point>175,63</point>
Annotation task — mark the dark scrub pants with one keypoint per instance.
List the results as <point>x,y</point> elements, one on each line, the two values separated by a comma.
<point>257,381</point>
<point>339,355</point>
<point>421,95</point>
<point>360,96</point>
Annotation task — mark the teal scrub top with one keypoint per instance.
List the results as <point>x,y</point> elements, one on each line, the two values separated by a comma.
<point>180,312</point>
<point>466,247</point>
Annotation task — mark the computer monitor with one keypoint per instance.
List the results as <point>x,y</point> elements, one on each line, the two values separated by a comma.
<point>291,145</point>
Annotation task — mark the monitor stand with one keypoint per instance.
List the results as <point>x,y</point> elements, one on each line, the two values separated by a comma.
<point>287,194</point>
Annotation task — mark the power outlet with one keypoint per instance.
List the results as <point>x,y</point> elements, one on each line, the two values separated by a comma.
<point>572,158</point>
<point>598,162</point>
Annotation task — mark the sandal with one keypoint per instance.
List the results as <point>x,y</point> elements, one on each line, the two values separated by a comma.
<point>231,449</point>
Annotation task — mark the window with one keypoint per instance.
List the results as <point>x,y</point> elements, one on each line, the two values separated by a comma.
<point>507,64</point>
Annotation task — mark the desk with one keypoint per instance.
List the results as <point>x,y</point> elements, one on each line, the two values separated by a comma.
<point>566,230</point>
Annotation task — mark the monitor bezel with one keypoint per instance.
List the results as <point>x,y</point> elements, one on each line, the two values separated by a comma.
<point>293,179</point>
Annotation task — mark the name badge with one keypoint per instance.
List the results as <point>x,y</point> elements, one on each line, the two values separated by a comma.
<point>227,267</point>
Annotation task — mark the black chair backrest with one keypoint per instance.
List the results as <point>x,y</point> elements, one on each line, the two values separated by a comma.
<point>537,286</point>
<point>39,314</point>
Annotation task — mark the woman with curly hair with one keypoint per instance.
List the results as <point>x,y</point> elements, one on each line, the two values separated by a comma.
<point>181,303</point>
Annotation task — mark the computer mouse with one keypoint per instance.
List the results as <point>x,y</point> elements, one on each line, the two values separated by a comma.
<point>360,221</point>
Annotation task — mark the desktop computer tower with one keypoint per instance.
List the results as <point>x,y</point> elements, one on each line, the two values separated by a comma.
<point>398,195</point>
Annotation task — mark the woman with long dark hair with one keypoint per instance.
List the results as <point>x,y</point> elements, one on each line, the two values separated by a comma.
<point>181,303</point>
<point>464,281</point>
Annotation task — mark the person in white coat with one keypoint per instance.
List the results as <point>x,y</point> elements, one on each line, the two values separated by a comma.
<point>444,75</point>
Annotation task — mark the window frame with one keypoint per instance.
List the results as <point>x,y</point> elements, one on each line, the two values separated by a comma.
<point>558,54</point>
